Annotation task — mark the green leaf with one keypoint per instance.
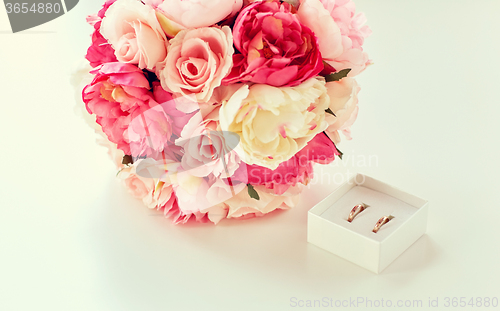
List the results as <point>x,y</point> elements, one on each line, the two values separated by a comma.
<point>252,192</point>
<point>337,76</point>
<point>341,153</point>
<point>330,112</point>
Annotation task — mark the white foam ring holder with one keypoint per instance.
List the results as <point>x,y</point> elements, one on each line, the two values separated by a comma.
<point>328,228</point>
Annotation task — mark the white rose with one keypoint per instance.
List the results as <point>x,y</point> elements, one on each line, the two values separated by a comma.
<point>135,34</point>
<point>274,123</point>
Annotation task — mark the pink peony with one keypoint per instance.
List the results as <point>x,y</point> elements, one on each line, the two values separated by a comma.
<point>274,123</point>
<point>183,14</point>
<point>197,61</point>
<point>135,33</point>
<point>180,109</point>
<point>149,132</point>
<point>288,174</point>
<point>116,95</point>
<point>275,48</point>
<point>340,32</point>
<point>298,169</point>
<point>100,51</point>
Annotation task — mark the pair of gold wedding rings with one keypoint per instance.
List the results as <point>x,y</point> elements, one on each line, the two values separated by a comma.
<point>361,207</point>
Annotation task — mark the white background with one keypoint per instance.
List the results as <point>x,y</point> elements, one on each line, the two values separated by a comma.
<point>71,238</point>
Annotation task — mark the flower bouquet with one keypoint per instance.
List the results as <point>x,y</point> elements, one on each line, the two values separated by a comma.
<point>218,109</point>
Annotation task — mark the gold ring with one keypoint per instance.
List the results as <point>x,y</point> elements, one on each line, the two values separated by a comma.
<point>356,210</point>
<point>382,221</point>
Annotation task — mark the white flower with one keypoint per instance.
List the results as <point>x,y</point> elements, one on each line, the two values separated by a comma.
<point>274,123</point>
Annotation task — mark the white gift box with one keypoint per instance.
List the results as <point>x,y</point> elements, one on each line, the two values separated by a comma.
<point>328,228</point>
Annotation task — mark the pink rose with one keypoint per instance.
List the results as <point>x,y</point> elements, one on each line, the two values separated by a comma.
<point>100,51</point>
<point>176,108</point>
<point>135,33</point>
<point>275,48</point>
<point>162,197</point>
<point>197,61</point>
<point>182,14</point>
<point>206,150</point>
<point>116,96</point>
<point>155,193</point>
<point>344,104</point>
<point>340,32</point>
<point>140,187</point>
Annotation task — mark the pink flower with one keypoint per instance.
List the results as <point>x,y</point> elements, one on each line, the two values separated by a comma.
<point>191,192</point>
<point>344,104</point>
<point>206,150</point>
<point>287,175</point>
<point>116,95</point>
<point>162,197</point>
<point>319,150</point>
<point>149,132</point>
<point>243,206</point>
<point>275,48</point>
<point>182,14</point>
<point>197,61</point>
<point>135,33</point>
<point>180,110</point>
<point>140,187</point>
<point>100,51</point>
<point>296,170</point>
<point>115,154</point>
<point>219,192</point>
<point>340,32</point>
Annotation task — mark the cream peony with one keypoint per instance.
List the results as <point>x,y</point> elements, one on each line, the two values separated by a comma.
<point>274,123</point>
<point>135,34</point>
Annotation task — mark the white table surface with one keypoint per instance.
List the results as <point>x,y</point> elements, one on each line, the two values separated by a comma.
<point>71,238</point>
